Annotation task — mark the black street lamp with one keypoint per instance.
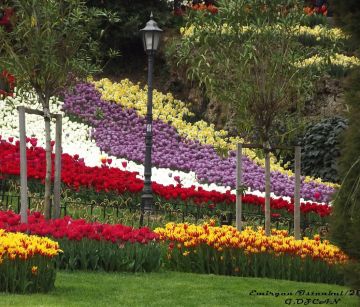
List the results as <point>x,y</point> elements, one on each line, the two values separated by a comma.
<point>151,37</point>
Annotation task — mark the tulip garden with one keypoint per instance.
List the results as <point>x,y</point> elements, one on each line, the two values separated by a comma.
<point>192,226</point>
<point>102,154</point>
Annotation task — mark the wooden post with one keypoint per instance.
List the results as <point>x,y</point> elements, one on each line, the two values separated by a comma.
<point>23,167</point>
<point>238,187</point>
<point>57,177</point>
<point>48,165</point>
<point>297,232</point>
<point>267,191</point>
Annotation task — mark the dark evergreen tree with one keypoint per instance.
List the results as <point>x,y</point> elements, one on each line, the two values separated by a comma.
<point>120,35</point>
<point>345,224</point>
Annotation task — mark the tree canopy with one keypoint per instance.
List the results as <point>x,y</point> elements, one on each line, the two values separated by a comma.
<point>249,57</point>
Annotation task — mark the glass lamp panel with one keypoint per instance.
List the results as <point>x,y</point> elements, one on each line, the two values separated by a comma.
<point>148,36</point>
<point>156,40</point>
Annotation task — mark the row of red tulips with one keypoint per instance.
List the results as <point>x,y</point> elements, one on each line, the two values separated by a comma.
<point>75,229</point>
<point>76,175</point>
<point>87,246</point>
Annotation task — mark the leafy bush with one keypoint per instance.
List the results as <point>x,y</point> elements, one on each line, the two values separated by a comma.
<point>321,149</point>
<point>314,20</point>
<point>346,216</point>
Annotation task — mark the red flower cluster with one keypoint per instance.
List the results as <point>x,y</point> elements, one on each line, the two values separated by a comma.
<point>316,7</point>
<point>76,174</point>
<point>7,84</point>
<point>280,203</point>
<point>75,229</point>
<point>5,18</point>
<point>203,7</point>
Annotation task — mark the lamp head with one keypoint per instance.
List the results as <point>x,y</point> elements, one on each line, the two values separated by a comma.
<point>151,35</point>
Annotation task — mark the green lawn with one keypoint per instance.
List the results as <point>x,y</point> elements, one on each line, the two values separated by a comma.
<point>170,289</point>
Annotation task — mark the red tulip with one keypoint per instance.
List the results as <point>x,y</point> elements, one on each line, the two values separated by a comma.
<point>317,195</point>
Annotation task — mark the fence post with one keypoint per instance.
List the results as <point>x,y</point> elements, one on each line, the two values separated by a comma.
<point>238,187</point>
<point>297,232</point>
<point>23,167</point>
<point>267,190</point>
<point>57,176</point>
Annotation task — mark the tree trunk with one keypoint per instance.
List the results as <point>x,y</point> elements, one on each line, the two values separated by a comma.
<point>23,167</point>
<point>267,193</point>
<point>47,200</point>
<point>57,177</point>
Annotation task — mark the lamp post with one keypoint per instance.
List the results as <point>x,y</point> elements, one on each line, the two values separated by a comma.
<point>151,37</point>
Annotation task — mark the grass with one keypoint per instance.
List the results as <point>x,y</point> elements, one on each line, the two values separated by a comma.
<point>171,289</point>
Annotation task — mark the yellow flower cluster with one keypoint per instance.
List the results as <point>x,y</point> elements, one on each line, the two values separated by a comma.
<point>318,31</point>
<point>251,241</point>
<point>173,111</point>
<point>187,31</point>
<point>336,59</point>
<point>22,246</point>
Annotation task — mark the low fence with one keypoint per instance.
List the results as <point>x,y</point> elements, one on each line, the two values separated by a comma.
<point>128,212</point>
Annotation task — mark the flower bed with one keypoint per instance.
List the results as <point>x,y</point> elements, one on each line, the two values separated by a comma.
<point>317,32</point>
<point>76,175</point>
<point>26,263</point>
<point>92,246</point>
<point>76,138</point>
<point>172,111</point>
<point>119,132</point>
<point>224,250</point>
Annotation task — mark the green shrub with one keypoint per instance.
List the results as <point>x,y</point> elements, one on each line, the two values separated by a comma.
<point>314,20</point>
<point>345,222</point>
<point>321,149</point>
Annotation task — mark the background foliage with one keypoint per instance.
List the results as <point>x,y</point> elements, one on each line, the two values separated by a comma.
<point>346,218</point>
<point>119,34</point>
